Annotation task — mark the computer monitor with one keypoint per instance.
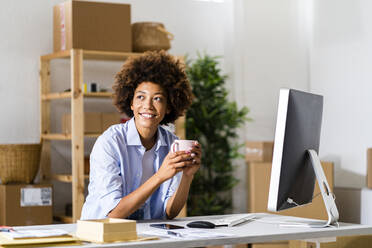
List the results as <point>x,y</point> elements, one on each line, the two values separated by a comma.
<point>296,164</point>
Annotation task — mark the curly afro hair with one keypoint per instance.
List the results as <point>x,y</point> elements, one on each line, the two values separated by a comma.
<point>160,68</point>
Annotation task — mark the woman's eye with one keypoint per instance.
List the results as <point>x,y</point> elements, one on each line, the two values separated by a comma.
<point>140,97</point>
<point>158,99</point>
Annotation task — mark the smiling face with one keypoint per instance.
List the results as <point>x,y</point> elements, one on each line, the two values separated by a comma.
<point>149,106</point>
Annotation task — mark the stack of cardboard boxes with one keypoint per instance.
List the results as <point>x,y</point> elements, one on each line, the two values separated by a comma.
<point>258,159</point>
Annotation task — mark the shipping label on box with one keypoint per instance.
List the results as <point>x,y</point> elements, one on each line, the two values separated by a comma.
<point>36,197</point>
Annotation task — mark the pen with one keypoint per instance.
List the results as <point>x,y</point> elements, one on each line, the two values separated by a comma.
<point>175,234</point>
<point>6,229</point>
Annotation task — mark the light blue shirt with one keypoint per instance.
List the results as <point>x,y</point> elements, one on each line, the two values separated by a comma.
<point>116,171</point>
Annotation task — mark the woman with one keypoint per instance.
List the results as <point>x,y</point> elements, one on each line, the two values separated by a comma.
<point>132,173</point>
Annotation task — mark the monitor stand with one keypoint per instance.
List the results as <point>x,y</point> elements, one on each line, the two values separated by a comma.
<point>327,194</point>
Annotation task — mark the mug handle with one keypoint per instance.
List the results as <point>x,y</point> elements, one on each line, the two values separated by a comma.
<point>170,35</point>
<point>173,146</point>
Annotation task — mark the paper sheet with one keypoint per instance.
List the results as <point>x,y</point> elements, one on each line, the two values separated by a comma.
<point>34,233</point>
<point>186,233</point>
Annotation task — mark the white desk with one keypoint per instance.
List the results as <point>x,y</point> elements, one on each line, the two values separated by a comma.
<point>250,232</point>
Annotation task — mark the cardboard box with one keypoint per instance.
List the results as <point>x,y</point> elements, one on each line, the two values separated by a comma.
<point>259,151</point>
<point>258,183</point>
<point>369,168</point>
<point>92,26</point>
<point>360,241</point>
<point>311,244</point>
<point>26,204</point>
<point>108,119</point>
<point>106,230</point>
<point>92,123</point>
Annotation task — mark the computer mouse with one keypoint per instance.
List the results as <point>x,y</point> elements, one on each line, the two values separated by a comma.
<point>201,224</point>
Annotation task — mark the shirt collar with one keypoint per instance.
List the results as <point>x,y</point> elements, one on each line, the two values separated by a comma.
<point>133,138</point>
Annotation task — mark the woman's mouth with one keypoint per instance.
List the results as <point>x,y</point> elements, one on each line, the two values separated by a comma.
<point>147,115</point>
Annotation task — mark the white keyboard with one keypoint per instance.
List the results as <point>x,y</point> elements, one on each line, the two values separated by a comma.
<point>234,219</point>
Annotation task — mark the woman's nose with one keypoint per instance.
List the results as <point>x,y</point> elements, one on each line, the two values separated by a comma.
<point>148,104</point>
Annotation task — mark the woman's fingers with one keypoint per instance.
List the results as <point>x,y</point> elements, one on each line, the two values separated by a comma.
<point>183,163</point>
<point>182,156</point>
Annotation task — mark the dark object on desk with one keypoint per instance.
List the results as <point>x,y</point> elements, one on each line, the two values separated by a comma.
<point>166,226</point>
<point>201,224</point>
<point>6,229</point>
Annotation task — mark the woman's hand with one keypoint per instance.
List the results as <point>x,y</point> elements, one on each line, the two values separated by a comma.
<point>173,163</point>
<point>196,154</point>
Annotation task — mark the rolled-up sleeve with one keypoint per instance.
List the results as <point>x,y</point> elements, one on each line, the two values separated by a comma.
<point>106,183</point>
<point>173,186</point>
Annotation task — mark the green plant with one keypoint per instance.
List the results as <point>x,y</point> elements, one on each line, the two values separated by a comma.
<point>212,120</point>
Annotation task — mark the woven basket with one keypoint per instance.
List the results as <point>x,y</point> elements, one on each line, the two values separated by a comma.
<point>19,163</point>
<point>150,36</point>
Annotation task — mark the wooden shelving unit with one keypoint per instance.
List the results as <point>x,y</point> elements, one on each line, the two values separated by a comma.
<point>76,96</point>
<point>77,136</point>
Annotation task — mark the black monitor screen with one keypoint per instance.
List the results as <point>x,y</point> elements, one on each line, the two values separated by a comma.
<point>297,130</point>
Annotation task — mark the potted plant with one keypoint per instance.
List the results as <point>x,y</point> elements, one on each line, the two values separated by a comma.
<point>212,120</point>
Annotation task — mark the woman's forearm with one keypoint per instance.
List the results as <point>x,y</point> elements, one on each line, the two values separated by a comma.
<point>178,200</point>
<point>130,203</point>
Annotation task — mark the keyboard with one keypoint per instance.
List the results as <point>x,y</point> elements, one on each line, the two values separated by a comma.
<point>234,219</point>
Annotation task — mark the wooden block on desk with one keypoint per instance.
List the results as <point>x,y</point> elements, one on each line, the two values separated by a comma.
<point>106,230</point>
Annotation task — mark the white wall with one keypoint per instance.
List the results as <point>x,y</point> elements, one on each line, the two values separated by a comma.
<point>26,33</point>
<point>270,51</point>
<point>341,59</point>
<point>322,46</point>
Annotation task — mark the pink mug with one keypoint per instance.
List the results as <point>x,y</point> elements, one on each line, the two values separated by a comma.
<point>182,145</point>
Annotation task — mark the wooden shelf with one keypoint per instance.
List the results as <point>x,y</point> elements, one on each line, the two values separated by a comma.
<point>67,95</point>
<point>66,178</point>
<point>77,137</point>
<point>91,55</point>
<point>66,136</point>
<point>99,94</point>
